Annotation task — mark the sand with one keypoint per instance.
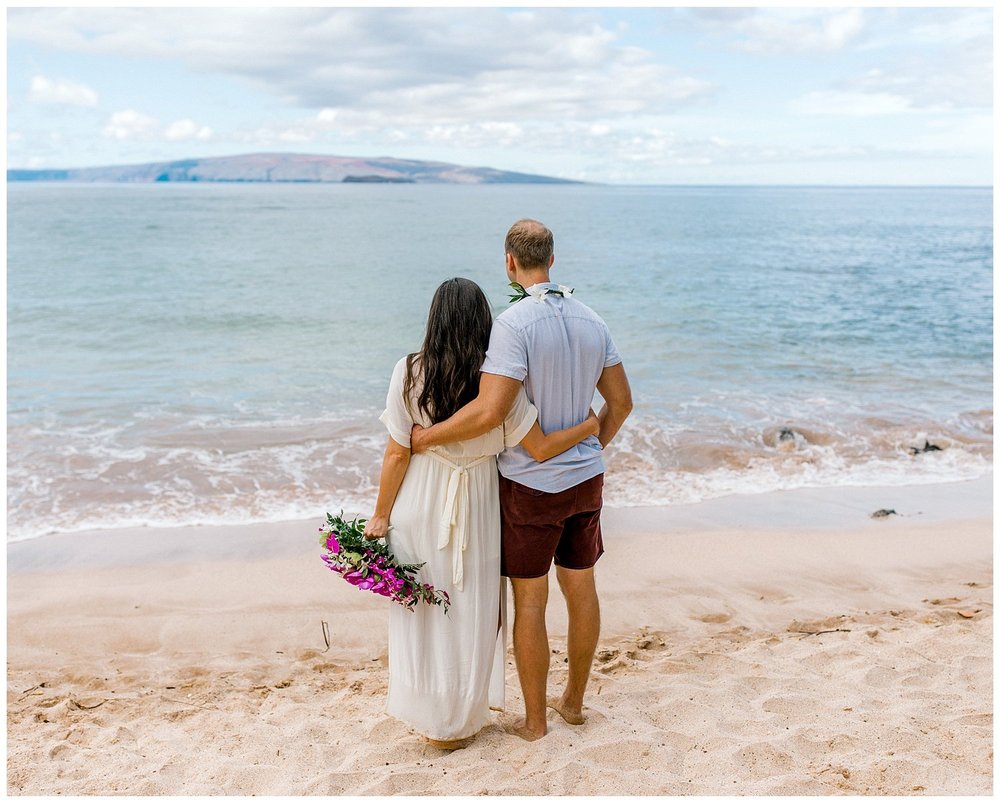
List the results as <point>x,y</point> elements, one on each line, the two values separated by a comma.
<point>779,644</point>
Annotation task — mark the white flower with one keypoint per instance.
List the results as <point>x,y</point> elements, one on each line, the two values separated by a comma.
<point>566,291</point>
<point>537,293</point>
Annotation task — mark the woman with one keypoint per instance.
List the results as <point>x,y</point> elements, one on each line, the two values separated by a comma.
<point>447,671</point>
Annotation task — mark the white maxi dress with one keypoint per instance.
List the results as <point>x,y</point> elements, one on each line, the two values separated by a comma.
<point>447,671</point>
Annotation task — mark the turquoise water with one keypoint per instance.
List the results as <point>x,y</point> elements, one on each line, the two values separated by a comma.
<point>208,353</point>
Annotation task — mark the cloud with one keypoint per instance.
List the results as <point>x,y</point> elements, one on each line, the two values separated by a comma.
<point>658,148</point>
<point>929,28</point>
<point>130,124</point>
<point>919,60</point>
<point>959,78</point>
<point>183,130</point>
<point>954,75</point>
<point>850,104</point>
<point>427,66</point>
<point>269,135</point>
<point>68,93</point>
<point>778,31</point>
<point>953,134</point>
<point>135,125</point>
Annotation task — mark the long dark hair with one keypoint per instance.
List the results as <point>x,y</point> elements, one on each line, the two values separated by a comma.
<point>458,332</point>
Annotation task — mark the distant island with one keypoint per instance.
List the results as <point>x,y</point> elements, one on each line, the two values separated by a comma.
<point>291,167</point>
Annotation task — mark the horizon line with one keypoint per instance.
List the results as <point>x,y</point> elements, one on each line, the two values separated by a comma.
<point>570,183</point>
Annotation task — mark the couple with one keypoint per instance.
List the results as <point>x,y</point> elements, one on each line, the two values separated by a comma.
<point>478,396</point>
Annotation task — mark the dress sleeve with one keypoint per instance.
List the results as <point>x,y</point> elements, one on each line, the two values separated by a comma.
<point>396,416</point>
<point>519,420</point>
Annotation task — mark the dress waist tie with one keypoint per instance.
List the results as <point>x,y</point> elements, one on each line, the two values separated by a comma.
<point>454,526</point>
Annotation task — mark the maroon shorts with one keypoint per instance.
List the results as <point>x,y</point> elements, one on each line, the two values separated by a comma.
<point>536,526</point>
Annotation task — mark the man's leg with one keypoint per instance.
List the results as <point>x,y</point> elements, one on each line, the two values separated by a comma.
<point>531,651</point>
<point>584,610</point>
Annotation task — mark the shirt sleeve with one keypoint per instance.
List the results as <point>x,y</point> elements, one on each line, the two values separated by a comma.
<point>611,355</point>
<point>507,354</point>
<point>396,416</point>
<point>520,419</point>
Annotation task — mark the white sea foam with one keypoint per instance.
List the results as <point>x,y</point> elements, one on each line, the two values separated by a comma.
<point>633,488</point>
<point>236,472</point>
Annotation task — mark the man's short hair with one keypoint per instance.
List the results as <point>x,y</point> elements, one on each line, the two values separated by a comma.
<point>530,243</point>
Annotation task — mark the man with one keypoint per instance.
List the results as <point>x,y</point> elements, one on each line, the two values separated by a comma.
<point>561,350</point>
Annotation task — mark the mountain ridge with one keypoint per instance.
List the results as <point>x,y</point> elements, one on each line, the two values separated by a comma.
<point>276,167</point>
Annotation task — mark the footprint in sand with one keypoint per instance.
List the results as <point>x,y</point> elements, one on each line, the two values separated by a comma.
<point>984,719</point>
<point>882,676</point>
<point>789,706</point>
<point>764,760</point>
<point>650,640</point>
<point>58,750</point>
<point>714,618</point>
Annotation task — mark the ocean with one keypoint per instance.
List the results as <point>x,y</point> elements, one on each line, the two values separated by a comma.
<point>219,353</point>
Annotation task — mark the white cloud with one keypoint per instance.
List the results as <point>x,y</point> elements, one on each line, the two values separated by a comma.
<point>130,124</point>
<point>64,92</point>
<point>850,104</point>
<point>929,28</point>
<point>955,135</point>
<point>183,130</point>
<point>135,125</point>
<point>427,66</point>
<point>773,31</point>
<point>953,78</point>
<point>269,135</point>
<point>293,135</point>
<point>919,60</point>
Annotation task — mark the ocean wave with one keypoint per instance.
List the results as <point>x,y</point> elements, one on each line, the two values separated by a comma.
<point>165,472</point>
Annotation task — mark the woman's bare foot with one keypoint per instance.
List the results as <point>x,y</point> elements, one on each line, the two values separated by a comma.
<point>441,744</point>
<point>520,728</point>
<point>571,717</point>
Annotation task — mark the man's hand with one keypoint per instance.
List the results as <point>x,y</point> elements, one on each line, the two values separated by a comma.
<point>418,439</point>
<point>377,527</point>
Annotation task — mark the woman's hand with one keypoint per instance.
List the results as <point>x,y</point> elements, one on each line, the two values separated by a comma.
<point>377,527</point>
<point>416,444</point>
<point>595,421</point>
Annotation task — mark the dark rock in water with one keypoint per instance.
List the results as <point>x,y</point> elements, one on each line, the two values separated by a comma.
<point>377,180</point>
<point>883,513</point>
<point>927,447</point>
<point>786,434</point>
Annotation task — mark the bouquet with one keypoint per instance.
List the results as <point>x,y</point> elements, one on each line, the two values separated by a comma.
<point>368,564</point>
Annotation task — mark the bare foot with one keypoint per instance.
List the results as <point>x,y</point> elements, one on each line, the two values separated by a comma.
<point>441,744</point>
<point>520,728</point>
<point>571,717</point>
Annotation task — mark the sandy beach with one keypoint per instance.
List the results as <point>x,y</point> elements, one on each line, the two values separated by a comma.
<point>785,643</point>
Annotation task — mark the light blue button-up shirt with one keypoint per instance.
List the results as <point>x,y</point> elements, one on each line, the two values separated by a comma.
<point>558,347</point>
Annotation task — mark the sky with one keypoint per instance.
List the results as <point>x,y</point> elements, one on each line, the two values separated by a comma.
<point>656,95</point>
